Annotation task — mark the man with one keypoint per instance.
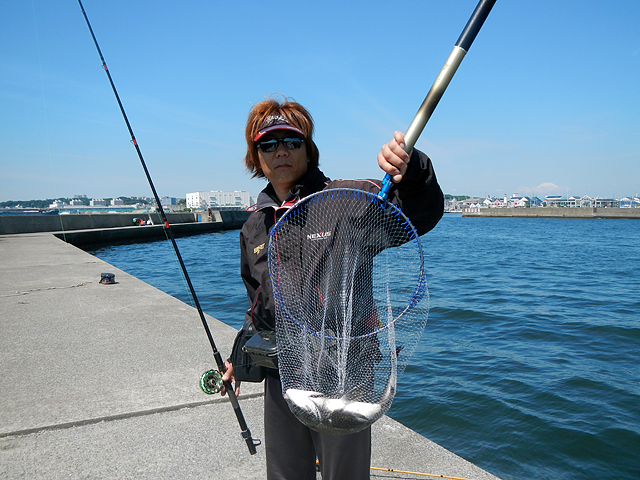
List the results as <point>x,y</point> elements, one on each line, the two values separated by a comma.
<point>280,148</point>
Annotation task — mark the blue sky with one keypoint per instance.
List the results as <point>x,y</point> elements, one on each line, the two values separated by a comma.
<point>546,101</point>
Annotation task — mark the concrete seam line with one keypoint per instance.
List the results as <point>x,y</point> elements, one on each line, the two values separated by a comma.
<point>43,289</point>
<point>122,416</point>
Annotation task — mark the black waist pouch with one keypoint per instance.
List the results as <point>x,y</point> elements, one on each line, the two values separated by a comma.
<point>244,368</point>
<point>261,347</point>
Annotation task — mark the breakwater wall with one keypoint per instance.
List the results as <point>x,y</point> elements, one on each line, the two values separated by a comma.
<point>81,221</point>
<point>91,229</point>
<point>545,212</point>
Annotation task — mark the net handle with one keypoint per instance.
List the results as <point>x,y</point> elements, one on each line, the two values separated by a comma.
<point>441,83</point>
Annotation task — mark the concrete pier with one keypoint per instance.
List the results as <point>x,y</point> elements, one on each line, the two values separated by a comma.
<point>101,381</point>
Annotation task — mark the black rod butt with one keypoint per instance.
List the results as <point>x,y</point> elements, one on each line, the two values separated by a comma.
<point>474,24</point>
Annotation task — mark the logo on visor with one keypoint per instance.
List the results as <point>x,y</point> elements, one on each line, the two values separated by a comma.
<point>318,236</point>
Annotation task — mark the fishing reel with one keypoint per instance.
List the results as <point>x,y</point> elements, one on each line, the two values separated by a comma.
<point>211,382</point>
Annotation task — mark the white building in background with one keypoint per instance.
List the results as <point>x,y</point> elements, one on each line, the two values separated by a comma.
<point>217,199</point>
<point>98,202</point>
<point>116,202</point>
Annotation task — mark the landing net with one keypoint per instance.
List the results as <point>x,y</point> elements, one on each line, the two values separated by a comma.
<point>347,276</point>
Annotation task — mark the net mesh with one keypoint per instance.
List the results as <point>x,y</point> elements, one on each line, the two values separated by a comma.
<point>347,277</point>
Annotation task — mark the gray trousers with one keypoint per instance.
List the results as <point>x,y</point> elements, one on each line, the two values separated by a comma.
<point>291,447</point>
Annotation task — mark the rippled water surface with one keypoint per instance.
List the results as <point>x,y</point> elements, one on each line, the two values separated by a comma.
<point>528,366</point>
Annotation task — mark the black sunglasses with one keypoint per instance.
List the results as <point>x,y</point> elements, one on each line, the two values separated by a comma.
<point>272,145</point>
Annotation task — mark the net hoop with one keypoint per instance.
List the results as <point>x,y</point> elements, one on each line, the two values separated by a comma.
<point>354,193</point>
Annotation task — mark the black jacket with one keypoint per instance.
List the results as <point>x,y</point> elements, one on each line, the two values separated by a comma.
<point>418,195</point>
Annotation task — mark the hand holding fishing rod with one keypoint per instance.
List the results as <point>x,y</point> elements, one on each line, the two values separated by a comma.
<point>213,379</point>
<point>441,83</point>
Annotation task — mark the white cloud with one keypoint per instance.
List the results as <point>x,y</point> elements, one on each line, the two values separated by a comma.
<point>543,188</point>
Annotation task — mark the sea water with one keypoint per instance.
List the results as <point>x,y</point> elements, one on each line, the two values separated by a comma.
<point>529,363</point>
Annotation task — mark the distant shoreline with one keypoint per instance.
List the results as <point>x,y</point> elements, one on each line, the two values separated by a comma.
<point>547,212</point>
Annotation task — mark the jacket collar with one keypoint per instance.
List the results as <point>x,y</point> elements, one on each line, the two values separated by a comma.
<point>312,181</point>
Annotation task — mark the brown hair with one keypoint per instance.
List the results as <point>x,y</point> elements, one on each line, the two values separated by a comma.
<point>296,115</point>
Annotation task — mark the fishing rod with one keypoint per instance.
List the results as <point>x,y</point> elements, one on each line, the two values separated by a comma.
<point>441,82</point>
<point>405,472</point>
<point>212,379</point>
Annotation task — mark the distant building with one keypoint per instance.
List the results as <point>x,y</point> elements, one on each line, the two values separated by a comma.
<point>475,201</point>
<point>166,201</point>
<point>76,202</point>
<point>628,202</point>
<point>555,201</point>
<point>520,201</point>
<point>585,201</point>
<point>57,204</point>
<point>605,202</point>
<point>116,201</point>
<point>218,199</point>
<point>98,202</point>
